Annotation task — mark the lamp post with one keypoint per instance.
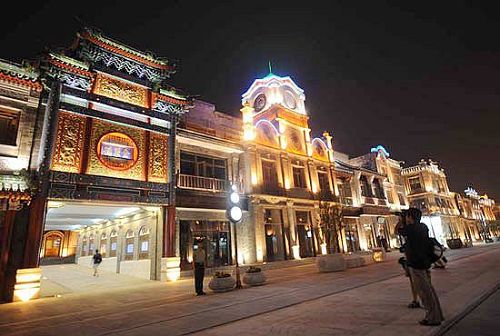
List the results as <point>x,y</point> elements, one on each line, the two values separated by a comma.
<point>235,215</point>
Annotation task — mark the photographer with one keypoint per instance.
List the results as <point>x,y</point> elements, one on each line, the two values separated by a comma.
<point>419,254</point>
<point>403,261</point>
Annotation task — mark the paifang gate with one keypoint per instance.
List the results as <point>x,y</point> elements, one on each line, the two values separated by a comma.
<point>109,155</point>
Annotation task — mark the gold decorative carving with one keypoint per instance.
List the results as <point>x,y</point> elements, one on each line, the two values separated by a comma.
<point>319,152</point>
<point>69,140</point>
<point>158,158</point>
<point>126,92</point>
<point>295,141</point>
<point>96,167</point>
<point>267,136</point>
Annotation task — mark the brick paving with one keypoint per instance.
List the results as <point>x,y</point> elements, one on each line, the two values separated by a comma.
<point>298,300</point>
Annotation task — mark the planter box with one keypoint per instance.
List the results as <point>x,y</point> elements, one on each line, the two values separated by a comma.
<point>353,261</point>
<point>331,263</point>
<point>221,285</point>
<point>254,279</point>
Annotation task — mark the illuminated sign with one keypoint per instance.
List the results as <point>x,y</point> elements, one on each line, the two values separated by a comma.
<point>117,151</point>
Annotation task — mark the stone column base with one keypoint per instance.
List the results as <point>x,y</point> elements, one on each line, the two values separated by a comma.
<point>170,268</point>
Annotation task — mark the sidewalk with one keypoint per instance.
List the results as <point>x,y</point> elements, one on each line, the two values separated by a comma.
<point>297,300</point>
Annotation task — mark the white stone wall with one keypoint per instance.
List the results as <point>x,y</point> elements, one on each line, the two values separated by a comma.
<point>142,268</point>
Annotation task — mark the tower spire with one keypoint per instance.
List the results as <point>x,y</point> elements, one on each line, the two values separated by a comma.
<point>270,68</point>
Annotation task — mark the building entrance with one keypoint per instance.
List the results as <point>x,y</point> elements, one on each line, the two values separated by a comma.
<point>213,235</point>
<point>127,237</point>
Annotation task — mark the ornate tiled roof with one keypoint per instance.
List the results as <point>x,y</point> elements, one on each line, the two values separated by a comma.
<point>69,64</point>
<point>149,59</point>
<point>19,74</point>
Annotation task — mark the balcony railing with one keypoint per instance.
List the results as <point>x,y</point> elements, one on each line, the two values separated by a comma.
<point>201,183</point>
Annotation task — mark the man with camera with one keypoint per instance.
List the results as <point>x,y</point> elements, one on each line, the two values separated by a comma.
<point>419,255</point>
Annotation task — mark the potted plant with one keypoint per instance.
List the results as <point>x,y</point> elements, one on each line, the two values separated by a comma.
<point>254,276</point>
<point>221,282</point>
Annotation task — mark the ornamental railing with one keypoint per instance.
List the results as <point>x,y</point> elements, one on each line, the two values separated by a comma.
<point>201,183</point>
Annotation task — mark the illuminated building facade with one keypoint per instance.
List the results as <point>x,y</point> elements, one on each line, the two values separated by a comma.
<point>372,190</point>
<point>95,127</point>
<point>427,189</point>
<point>286,173</point>
<point>111,150</point>
<point>489,218</point>
<point>20,90</point>
<point>208,154</point>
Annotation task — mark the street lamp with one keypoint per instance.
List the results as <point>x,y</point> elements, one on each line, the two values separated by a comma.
<point>235,215</point>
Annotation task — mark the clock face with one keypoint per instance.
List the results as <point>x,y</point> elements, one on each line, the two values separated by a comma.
<point>290,101</point>
<point>259,102</point>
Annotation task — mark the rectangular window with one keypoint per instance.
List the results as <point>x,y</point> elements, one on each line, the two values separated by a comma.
<point>203,166</point>
<point>379,191</point>
<point>9,124</point>
<point>415,185</point>
<point>366,189</point>
<point>401,199</point>
<point>299,179</point>
<point>269,174</point>
<point>324,185</point>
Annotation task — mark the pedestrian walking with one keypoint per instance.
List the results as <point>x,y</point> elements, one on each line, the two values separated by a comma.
<point>199,257</point>
<point>420,252</point>
<point>96,261</point>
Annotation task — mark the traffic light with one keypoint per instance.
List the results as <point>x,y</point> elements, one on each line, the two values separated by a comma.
<point>234,212</point>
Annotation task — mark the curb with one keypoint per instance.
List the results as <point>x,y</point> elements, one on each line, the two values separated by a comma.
<point>457,318</point>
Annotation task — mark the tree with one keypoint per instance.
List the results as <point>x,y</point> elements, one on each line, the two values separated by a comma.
<point>331,216</point>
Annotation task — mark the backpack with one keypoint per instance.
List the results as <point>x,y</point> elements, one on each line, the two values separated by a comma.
<point>98,258</point>
<point>436,250</point>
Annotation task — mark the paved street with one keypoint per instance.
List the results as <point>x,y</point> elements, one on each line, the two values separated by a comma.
<point>366,301</point>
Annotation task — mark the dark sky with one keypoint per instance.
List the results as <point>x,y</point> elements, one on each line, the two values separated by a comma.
<point>421,78</point>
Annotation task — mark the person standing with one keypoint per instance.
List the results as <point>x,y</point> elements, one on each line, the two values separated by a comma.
<point>403,261</point>
<point>418,252</point>
<point>96,261</point>
<point>199,257</point>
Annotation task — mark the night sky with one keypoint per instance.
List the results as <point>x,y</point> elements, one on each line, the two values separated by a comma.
<point>421,78</point>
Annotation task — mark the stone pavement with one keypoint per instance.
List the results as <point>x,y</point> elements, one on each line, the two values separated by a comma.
<point>298,300</point>
<point>484,320</point>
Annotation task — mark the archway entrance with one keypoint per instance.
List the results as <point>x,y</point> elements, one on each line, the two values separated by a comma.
<point>52,246</point>
<point>128,237</point>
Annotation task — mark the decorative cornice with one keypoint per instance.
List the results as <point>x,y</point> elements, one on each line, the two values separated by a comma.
<point>121,49</point>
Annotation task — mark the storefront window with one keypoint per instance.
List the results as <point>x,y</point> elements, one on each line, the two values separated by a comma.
<point>273,230</point>
<point>113,243</point>
<point>103,244</point>
<point>305,234</point>
<point>129,245</point>
<point>351,235</point>
<point>215,237</point>
<point>144,243</point>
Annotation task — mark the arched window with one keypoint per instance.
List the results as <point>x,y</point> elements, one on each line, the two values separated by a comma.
<point>129,245</point>
<point>113,237</point>
<point>144,242</point>
<point>103,245</point>
<point>91,244</point>
<point>85,247</point>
